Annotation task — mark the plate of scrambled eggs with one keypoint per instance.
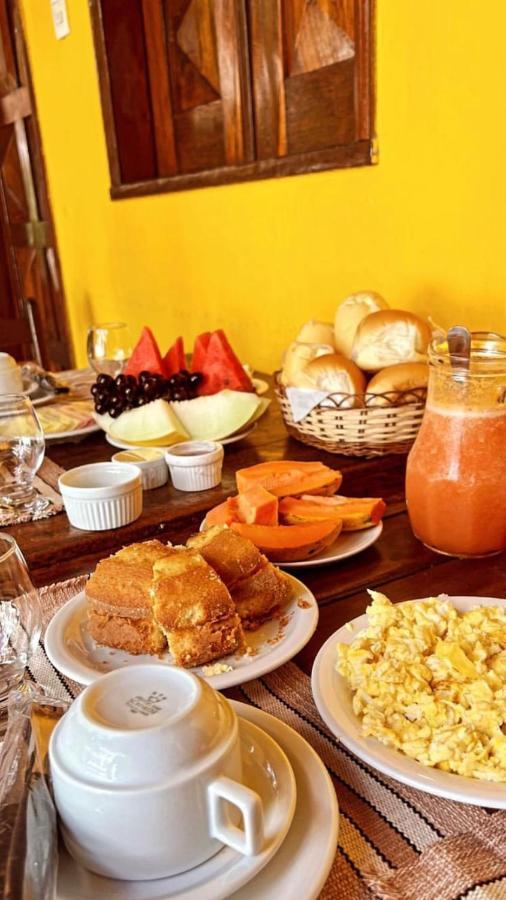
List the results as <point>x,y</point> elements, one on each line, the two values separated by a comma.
<point>418,691</point>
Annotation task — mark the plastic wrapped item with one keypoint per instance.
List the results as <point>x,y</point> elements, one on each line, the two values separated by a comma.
<point>28,830</point>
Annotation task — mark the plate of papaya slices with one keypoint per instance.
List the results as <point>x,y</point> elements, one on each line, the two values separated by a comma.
<point>292,512</point>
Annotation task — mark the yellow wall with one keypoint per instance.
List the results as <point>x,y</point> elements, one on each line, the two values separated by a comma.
<point>425,227</point>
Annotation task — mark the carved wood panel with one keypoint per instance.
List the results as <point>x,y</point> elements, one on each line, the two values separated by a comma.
<point>211,91</point>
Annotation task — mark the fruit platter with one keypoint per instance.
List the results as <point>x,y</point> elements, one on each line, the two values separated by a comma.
<point>291,511</point>
<point>160,400</point>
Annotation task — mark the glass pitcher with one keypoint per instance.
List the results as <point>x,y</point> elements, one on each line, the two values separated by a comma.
<point>456,470</point>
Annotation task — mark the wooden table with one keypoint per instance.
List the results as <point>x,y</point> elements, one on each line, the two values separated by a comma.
<point>397,564</point>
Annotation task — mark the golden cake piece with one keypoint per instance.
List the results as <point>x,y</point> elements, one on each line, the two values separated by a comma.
<point>194,609</point>
<point>203,643</point>
<point>232,556</point>
<point>120,603</point>
<point>261,595</point>
<point>131,635</point>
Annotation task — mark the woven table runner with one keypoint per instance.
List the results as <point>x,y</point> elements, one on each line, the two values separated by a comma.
<point>395,842</point>
<point>46,485</point>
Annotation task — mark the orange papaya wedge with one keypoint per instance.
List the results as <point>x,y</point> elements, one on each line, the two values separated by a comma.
<point>223,514</point>
<point>290,478</point>
<point>256,506</point>
<point>288,543</point>
<point>356,513</point>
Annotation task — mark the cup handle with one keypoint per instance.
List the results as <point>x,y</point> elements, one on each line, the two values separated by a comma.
<point>248,840</point>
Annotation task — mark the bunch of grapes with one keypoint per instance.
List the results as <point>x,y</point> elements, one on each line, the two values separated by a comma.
<point>115,395</point>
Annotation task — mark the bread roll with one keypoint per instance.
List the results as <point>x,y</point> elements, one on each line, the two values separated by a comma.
<point>402,377</point>
<point>314,332</point>
<point>296,357</point>
<point>349,315</point>
<point>337,375</point>
<point>389,337</point>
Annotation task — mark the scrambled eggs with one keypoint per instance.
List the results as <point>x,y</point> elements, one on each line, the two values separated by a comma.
<point>431,681</point>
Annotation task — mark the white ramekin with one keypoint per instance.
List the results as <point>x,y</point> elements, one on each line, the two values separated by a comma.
<point>195,465</point>
<point>152,466</point>
<point>101,496</point>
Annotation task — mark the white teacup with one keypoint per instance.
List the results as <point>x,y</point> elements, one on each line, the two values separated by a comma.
<point>146,766</point>
<point>11,380</point>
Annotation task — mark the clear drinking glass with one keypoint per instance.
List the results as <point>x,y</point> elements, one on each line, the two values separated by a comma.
<point>20,619</point>
<point>21,453</point>
<point>109,347</point>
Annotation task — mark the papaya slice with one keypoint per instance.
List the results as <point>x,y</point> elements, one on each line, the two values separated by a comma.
<point>356,513</point>
<point>290,543</point>
<point>223,514</point>
<point>256,506</point>
<point>285,478</point>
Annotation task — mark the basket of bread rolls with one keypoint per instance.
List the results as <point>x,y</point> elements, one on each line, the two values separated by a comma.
<point>357,386</point>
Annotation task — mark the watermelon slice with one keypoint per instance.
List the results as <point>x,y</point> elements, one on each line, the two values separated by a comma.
<point>146,356</point>
<point>199,351</point>
<point>221,369</point>
<point>174,360</point>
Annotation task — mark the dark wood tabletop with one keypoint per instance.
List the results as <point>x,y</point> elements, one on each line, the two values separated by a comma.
<point>397,563</point>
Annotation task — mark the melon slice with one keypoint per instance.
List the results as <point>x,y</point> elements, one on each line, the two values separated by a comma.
<point>290,543</point>
<point>223,514</point>
<point>257,506</point>
<point>146,356</point>
<point>174,360</point>
<point>221,368</point>
<point>217,416</point>
<point>356,512</point>
<point>290,478</point>
<point>263,405</point>
<point>199,351</point>
<point>154,424</point>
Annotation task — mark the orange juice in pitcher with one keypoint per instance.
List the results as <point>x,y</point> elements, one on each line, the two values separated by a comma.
<point>456,470</point>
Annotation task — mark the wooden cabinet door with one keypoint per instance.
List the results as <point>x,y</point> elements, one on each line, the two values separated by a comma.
<point>310,64</point>
<point>177,85</point>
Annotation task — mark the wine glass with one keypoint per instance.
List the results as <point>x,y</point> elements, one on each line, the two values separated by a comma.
<point>21,453</point>
<point>20,618</point>
<point>109,347</point>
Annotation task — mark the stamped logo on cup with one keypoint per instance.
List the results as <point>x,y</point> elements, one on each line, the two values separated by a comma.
<point>146,706</point>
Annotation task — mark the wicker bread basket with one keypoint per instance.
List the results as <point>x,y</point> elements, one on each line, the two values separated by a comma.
<point>365,431</point>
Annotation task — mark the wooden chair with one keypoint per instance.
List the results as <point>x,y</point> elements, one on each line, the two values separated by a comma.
<point>20,334</point>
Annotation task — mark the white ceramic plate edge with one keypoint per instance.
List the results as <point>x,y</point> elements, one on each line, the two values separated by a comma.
<point>62,435</point>
<point>328,556</point>
<point>286,648</point>
<point>310,773</point>
<point>122,445</point>
<point>330,690</point>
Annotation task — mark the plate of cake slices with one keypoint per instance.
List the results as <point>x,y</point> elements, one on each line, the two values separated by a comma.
<point>216,606</point>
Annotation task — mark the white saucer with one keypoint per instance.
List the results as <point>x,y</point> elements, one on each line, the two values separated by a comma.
<point>74,653</point>
<point>267,771</point>
<point>122,445</point>
<point>333,697</point>
<point>347,544</point>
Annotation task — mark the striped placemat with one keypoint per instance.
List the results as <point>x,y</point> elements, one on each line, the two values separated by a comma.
<point>46,485</point>
<point>395,843</point>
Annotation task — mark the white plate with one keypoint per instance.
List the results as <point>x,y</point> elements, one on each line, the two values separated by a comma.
<point>71,435</point>
<point>122,445</point>
<point>266,770</point>
<point>347,544</point>
<point>75,653</point>
<point>333,698</point>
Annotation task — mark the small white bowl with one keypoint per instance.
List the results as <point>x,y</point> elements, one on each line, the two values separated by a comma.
<point>11,380</point>
<point>150,461</point>
<point>101,496</point>
<point>195,465</point>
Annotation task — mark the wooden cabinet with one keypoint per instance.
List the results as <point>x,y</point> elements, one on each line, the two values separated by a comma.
<point>199,92</point>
